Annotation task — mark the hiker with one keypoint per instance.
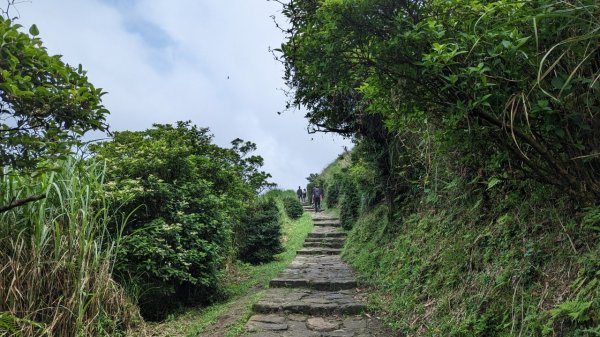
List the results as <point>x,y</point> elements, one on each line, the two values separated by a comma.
<point>299,193</point>
<point>304,195</point>
<point>317,194</point>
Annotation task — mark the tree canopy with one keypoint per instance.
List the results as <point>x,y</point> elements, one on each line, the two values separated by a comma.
<point>509,86</point>
<point>45,104</point>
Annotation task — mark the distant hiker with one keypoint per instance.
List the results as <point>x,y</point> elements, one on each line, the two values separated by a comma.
<point>304,195</point>
<point>299,193</point>
<point>316,196</point>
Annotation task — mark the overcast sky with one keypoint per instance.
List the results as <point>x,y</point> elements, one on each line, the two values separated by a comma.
<point>207,61</point>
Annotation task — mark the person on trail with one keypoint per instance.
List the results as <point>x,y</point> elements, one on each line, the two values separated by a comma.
<point>304,195</point>
<point>317,194</point>
<point>299,193</point>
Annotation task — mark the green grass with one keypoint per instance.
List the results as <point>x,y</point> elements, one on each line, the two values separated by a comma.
<point>244,278</point>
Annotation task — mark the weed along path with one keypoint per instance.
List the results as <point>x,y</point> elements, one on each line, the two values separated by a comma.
<point>316,295</point>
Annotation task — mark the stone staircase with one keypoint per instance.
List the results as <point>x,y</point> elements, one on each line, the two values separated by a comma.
<point>316,295</point>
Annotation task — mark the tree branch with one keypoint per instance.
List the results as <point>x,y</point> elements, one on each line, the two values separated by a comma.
<point>21,202</point>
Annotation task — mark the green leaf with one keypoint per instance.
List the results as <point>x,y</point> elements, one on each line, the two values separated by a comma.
<point>33,30</point>
<point>493,182</point>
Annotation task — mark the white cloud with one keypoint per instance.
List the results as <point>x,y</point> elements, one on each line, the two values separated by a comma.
<point>162,61</point>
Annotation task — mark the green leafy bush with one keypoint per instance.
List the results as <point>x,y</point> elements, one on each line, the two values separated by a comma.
<point>258,234</point>
<point>333,188</point>
<point>293,207</point>
<point>350,203</point>
<point>182,195</point>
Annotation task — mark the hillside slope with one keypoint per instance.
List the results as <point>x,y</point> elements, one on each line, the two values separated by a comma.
<point>470,260</point>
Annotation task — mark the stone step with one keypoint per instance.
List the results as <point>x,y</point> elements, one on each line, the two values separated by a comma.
<point>309,302</point>
<point>325,230</point>
<point>325,244</point>
<point>324,285</point>
<point>319,251</point>
<point>327,235</point>
<point>328,223</point>
<point>326,218</point>
<point>326,272</point>
<point>281,324</point>
<point>326,240</point>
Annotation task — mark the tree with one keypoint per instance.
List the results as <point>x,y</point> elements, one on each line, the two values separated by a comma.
<point>499,84</point>
<point>45,104</point>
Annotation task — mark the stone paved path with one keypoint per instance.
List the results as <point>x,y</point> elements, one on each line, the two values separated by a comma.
<point>316,295</point>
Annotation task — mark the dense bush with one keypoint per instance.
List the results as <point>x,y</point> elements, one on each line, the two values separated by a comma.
<point>350,203</point>
<point>182,195</point>
<point>505,87</point>
<point>333,188</point>
<point>293,207</point>
<point>258,234</point>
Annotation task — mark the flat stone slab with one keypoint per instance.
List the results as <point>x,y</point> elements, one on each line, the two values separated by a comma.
<point>325,239</point>
<point>320,217</point>
<point>319,251</point>
<point>331,223</point>
<point>266,323</point>
<point>326,231</point>
<point>308,302</point>
<point>324,244</point>
<point>319,272</point>
<point>322,325</point>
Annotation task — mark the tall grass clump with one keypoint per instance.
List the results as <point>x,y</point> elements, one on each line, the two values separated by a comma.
<point>56,256</point>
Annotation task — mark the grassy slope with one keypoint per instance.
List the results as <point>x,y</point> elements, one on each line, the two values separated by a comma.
<point>455,267</point>
<point>467,261</point>
<point>245,287</point>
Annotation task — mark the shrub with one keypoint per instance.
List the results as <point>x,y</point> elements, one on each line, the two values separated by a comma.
<point>293,207</point>
<point>259,232</point>
<point>350,203</point>
<point>333,190</point>
<point>183,193</point>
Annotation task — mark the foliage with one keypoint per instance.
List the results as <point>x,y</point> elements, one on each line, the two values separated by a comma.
<point>45,104</point>
<point>258,235</point>
<point>350,202</point>
<point>440,262</point>
<point>293,207</point>
<point>504,85</point>
<point>242,283</point>
<point>333,191</point>
<point>182,195</point>
<point>56,257</point>
<point>474,122</point>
